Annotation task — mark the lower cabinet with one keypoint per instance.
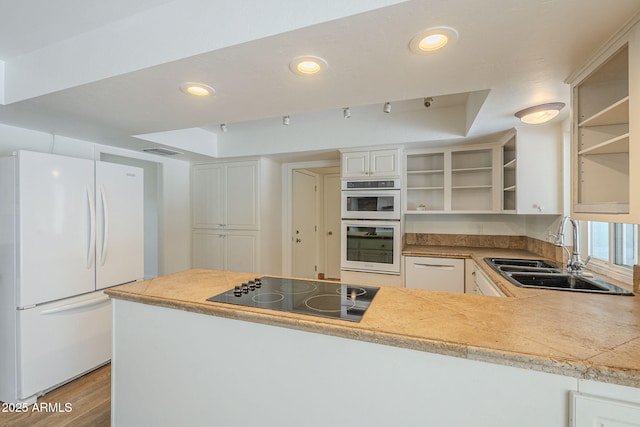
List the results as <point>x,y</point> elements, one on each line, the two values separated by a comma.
<point>225,250</point>
<point>435,274</point>
<point>604,405</point>
<point>483,285</point>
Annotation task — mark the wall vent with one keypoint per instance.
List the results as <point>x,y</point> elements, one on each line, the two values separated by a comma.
<point>161,151</point>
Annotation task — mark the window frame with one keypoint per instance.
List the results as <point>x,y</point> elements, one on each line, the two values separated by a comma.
<point>608,267</point>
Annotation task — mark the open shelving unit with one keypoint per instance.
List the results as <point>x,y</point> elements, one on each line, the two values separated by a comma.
<point>509,163</point>
<point>425,182</point>
<point>602,137</point>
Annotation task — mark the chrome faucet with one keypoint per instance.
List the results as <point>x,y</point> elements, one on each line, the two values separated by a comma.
<point>575,262</point>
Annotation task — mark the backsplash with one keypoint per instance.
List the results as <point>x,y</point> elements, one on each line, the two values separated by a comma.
<point>539,247</point>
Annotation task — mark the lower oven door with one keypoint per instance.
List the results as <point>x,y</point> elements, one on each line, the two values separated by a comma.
<point>371,246</point>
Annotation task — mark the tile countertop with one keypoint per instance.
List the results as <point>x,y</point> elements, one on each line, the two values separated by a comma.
<point>586,336</point>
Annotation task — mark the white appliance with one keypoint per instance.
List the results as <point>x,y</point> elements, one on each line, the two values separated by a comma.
<point>68,228</point>
<point>371,199</point>
<point>371,246</point>
<point>435,274</point>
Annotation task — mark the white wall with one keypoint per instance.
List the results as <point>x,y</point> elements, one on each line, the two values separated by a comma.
<point>174,239</point>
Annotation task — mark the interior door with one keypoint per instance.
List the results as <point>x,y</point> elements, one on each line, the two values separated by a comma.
<point>304,225</point>
<point>332,210</point>
<point>119,224</point>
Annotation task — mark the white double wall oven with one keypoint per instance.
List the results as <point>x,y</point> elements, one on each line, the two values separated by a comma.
<point>371,234</point>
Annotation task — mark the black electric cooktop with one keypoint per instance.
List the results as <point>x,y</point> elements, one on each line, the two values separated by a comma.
<point>325,299</point>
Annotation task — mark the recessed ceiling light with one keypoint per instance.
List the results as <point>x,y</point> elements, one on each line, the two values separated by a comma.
<point>197,89</point>
<point>540,113</point>
<point>432,39</point>
<point>307,65</point>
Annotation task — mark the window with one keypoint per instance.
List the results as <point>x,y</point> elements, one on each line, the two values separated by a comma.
<point>613,248</point>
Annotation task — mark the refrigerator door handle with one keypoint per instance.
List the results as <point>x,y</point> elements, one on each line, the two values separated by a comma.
<point>68,307</point>
<point>105,226</point>
<point>92,228</point>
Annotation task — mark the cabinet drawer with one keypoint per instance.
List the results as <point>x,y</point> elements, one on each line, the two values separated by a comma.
<point>436,274</point>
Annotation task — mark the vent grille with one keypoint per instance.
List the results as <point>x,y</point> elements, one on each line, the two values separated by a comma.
<point>161,151</point>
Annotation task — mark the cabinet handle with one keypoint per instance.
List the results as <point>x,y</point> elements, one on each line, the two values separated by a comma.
<point>436,266</point>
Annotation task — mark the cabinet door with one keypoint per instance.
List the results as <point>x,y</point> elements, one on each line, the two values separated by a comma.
<point>241,252</point>
<point>207,249</point>
<point>590,410</point>
<point>241,196</point>
<point>206,196</point>
<point>355,165</point>
<point>384,163</point>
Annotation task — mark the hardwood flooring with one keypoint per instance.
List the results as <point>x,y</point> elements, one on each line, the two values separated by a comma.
<point>83,402</point>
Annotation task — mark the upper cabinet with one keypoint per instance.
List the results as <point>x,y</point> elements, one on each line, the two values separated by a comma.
<point>225,195</point>
<point>606,122</point>
<point>371,164</point>
<point>532,170</point>
<point>454,179</point>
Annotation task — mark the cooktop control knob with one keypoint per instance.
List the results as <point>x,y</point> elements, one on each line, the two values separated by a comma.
<point>245,288</point>
<point>258,283</point>
<point>252,285</point>
<point>237,290</point>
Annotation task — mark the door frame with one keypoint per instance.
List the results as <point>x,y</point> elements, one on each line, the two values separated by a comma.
<point>287,206</point>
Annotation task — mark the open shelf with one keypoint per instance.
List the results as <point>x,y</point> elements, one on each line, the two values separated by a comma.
<point>619,144</point>
<point>614,114</point>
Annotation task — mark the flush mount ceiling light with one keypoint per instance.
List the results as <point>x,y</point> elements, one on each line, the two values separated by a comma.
<point>346,112</point>
<point>387,107</point>
<point>540,113</point>
<point>286,120</point>
<point>307,65</point>
<point>432,39</point>
<point>197,89</point>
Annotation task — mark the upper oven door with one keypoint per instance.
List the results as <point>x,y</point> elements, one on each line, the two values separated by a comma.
<point>370,204</point>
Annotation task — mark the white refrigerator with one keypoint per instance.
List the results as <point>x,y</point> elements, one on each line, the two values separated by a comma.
<point>69,227</point>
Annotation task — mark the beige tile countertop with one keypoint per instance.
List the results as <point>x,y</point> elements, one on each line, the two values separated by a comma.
<point>579,335</point>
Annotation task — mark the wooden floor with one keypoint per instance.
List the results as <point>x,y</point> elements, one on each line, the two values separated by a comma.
<point>85,401</point>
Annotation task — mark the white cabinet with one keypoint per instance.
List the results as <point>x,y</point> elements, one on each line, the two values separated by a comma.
<point>225,195</point>
<point>435,274</point>
<point>532,170</point>
<point>485,286</point>
<point>453,180</point>
<point>236,220</point>
<point>225,250</point>
<point>605,158</point>
<point>371,164</point>
<point>588,410</point>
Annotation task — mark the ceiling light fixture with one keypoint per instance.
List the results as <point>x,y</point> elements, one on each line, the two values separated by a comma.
<point>286,120</point>
<point>197,89</point>
<point>346,112</point>
<point>307,65</point>
<point>387,107</point>
<point>223,127</point>
<point>432,39</point>
<point>540,113</point>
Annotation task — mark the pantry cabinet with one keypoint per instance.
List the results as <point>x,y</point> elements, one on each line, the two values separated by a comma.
<point>606,130</point>
<point>463,179</point>
<point>225,250</point>
<point>230,229</point>
<point>532,170</point>
<point>371,164</point>
<point>225,195</point>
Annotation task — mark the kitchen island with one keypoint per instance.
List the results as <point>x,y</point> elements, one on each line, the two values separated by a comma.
<point>416,358</point>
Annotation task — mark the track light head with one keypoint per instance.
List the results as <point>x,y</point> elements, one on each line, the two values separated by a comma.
<point>387,107</point>
<point>286,120</point>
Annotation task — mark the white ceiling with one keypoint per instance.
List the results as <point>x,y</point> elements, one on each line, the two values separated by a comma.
<point>106,71</point>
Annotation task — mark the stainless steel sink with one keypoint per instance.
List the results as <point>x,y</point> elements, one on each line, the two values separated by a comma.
<point>541,274</point>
